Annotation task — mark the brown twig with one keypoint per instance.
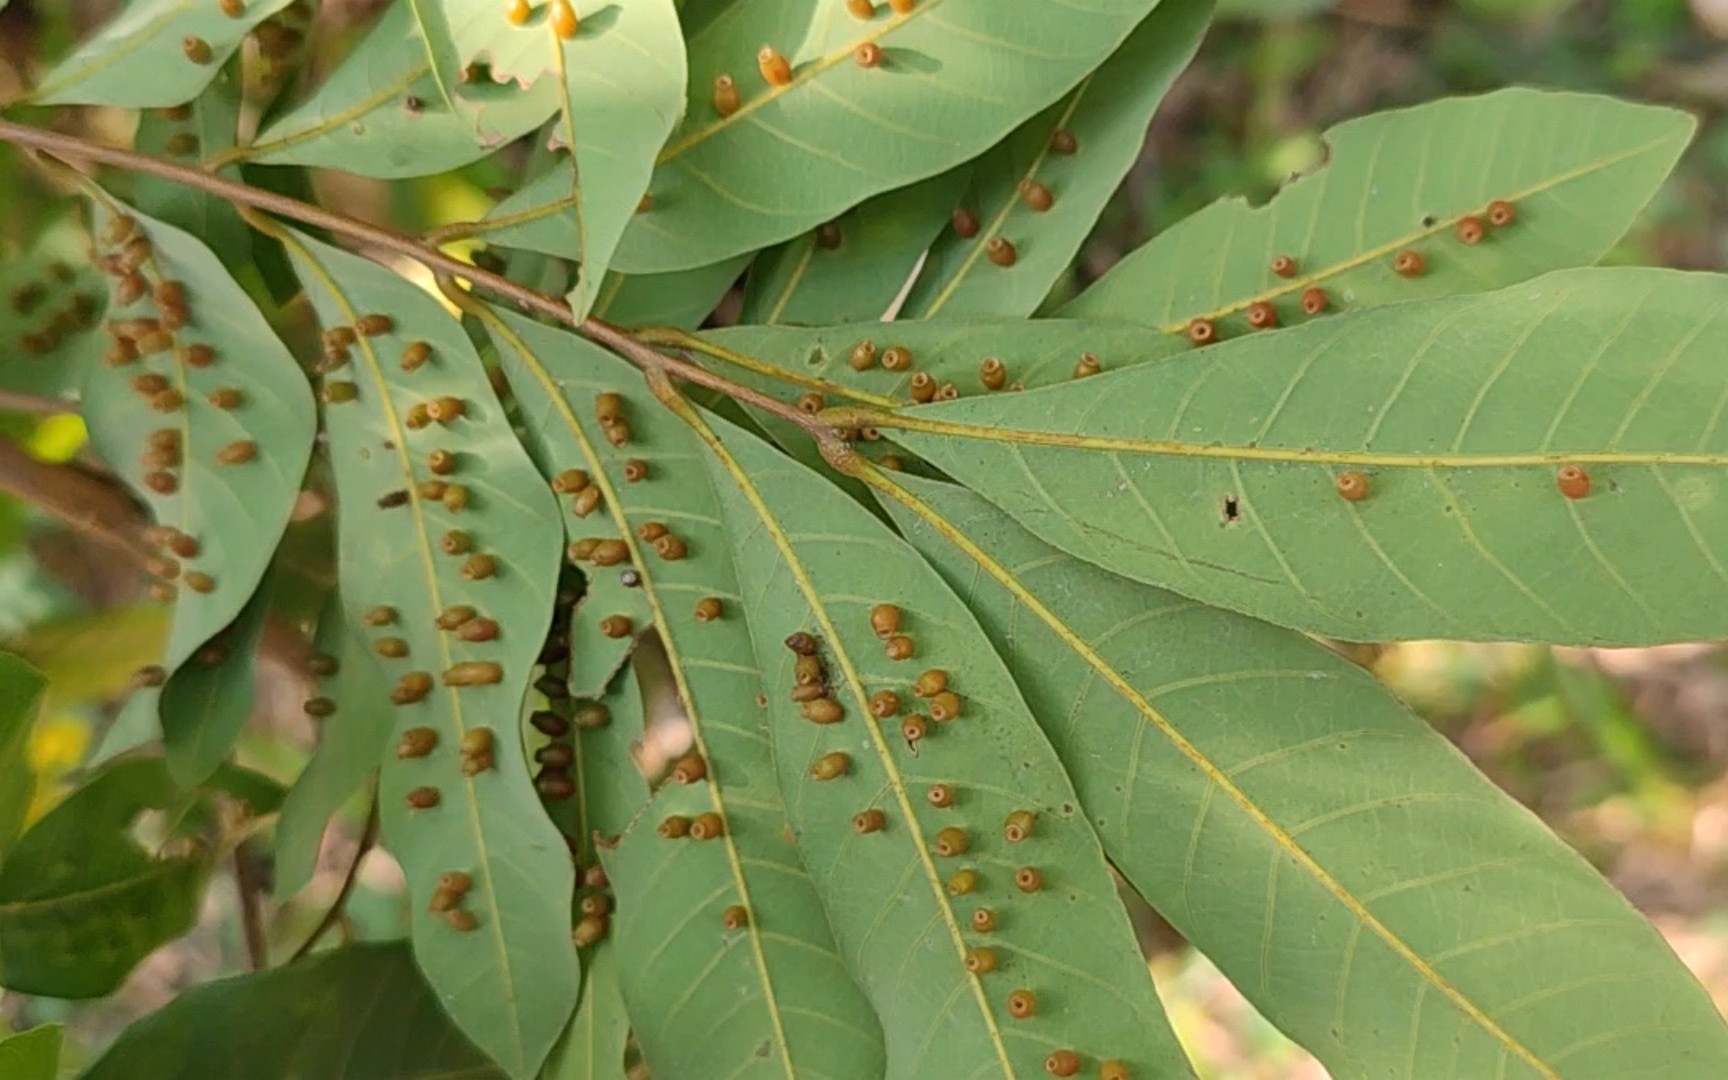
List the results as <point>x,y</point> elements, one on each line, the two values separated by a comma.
<point>100,510</point>
<point>596,330</point>
<point>249,883</point>
<point>17,401</point>
<point>368,837</point>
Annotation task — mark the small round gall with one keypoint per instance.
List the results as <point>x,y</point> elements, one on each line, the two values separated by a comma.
<point>726,98</point>
<point>775,69</point>
<point>1018,826</point>
<point>1409,263</point>
<point>1284,266</point>
<point>981,961</point>
<point>1028,879</point>
<point>950,842</point>
<point>869,821</point>
<point>965,222</point>
<point>1314,301</point>
<point>900,647</point>
<point>707,826</point>
<point>1202,332</point>
<point>884,704</point>
<point>962,882</point>
<point>1501,213</point>
<point>1352,485</point>
<point>1022,1004</point>
<point>1574,482</point>
<point>1470,229</point>
<point>564,21</point>
<point>897,358</point>
<point>1062,141</point>
<point>830,766</point>
<point>867,55</point>
<point>735,917</point>
<point>941,796</point>
<point>1000,250</point>
<point>1062,1063</point>
<point>708,609</point>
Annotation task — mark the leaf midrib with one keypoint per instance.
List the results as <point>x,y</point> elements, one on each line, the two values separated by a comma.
<point>1218,778</point>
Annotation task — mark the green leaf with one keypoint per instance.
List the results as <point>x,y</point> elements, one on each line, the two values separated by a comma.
<point>207,702</point>
<point>53,300</point>
<point>351,743</point>
<point>593,1046</point>
<point>772,998</point>
<point>620,87</point>
<point>387,112</point>
<point>248,390</point>
<point>1577,167</point>
<point>21,688</point>
<point>205,127</point>
<point>358,1013</point>
<point>788,361</point>
<point>81,902</point>
<point>144,57</point>
<point>1216,476</point>
<point>840,133</point>
<point>511,983</point>
<point>682,298</point>
<point>31,1055</point>
<point>1242,776</point>
<point>610,790</point>
<point>814,561</point>
<point>1107,116</point>
<point>803,283</point>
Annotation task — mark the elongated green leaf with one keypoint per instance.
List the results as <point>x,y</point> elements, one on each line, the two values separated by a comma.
<point>31,1055</point>
<point>610,790</point>
<point>1106,116</point>
<point>351,743</point>
<point>815,562</point>
<point>839,132</point>
<point>772,998</point>
<point>359,1013</point>
<point>20,687</point>
<point>511,983</point>
<point>81,902</point>
<point>214,431</point>
<point>593,1046</point>
<point>181,44</point>
<point>1577,168</point>
<point>206,126</point>
<point>683,298</point>
<point>388,112</point>
<point>620,87</point>
<point>208,701</point>
<point>52,300</point>
<point>1243,776</point>
<point>803,283</point>
<point>1217,476</point>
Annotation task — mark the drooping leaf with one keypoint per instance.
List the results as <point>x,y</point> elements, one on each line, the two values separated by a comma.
<point>52,300</point>
<point>620,91</point>
<point>1241,775</point>
<point>897,889</point>
<point>31,1055</point>
<point>1218,476</point>
<point>1106,116</point>
<point>210,422</point>
<point>682,298</point>
<point>387,111</point>
<point>593,1046</point>
<point>805,283</point>
<point>180,44</point>
<point>205,127</point>
<point>351,743</point>
<point>417,537</point>
<point>207,702</point>
<point>772,996</point>
<point>81,902</point>
<point>20,688</point>
<point>839,132</point>
<point>1577,168</point>
<point>358,1013</point>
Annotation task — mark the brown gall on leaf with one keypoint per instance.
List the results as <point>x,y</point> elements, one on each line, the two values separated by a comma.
<point>1501,213</point>
<point>199,582</point>
<point>1062,1063</point>
<point>616,626</point>
<point>1029,879</point>
<point>1470,230</point>
<point>1284,266</point>
<point>1022,1004</point>
<point>1018,826</point>
<point>390,648</point>
<point>473,673</point>
<point>417,742</point>
<point>1035,195</point>
<point>588,930</point>
<point>775,69</point>
<point>1352,485</point>
<point>900,647</point>
<point>1409,264</point>
<point>1202,332</point>
<point>897,358</point>
<point>726,98</point>
<point>868,821</point>
<point>962,882</point>
<point>981,960</point>
<point>950,842</point>
<point>862,357</point>
<point>823,710</point>
<point>556,755</point>
<point>554,784</point>
<point>1113,1070</point>
<point>517,12</point>
<point>196,49</point>
<point>564,21</point>
<point>944,706</point>
<point>708,609</point>
<point>423,798</point>
<point>941,796</point>
<point>735,917</point>
<point>884,704</point>
<point>1087,366</point>
<point>1314,301</point>
<point>1062,141</point>
<point>861,9</point>
<point>830,766</point>
<point>708,826</point>
<point>318,708</point>
<point>1574,482</point>
<point>994,376</point>
<point>690,769</point>
<point>922,387</point>
<point>983,920</point>
<point>1000,251</point>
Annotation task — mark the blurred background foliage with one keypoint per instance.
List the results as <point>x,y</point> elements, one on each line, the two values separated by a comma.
<point>1623,751</point>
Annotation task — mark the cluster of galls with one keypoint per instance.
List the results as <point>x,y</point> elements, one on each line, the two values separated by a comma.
<point>321,666</point>
<point>77,313</point>
<point>776,70</point>
<point>560,14</point>
<point>1035,196</point>
<point>129,260</point>
<point>448,897</point>
<point>810,681</point>
<point>1410,263</point>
